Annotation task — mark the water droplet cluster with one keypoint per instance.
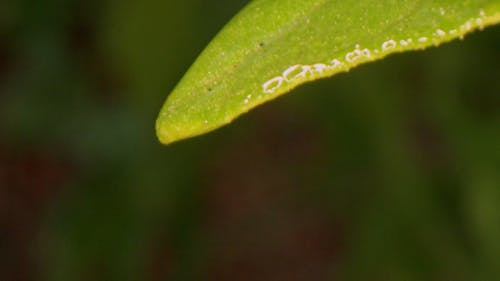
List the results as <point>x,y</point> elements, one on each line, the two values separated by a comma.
<point>298,73</point>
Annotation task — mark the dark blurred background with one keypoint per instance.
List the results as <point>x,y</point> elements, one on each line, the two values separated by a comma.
<point>389,172</point>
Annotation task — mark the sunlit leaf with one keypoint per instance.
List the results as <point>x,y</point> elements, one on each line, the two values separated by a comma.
<point>272,46</point>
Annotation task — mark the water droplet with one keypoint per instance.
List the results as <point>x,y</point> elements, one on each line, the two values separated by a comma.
<point>272,85</point>
<point>467,26</point>
<point>387,45</point>
<point>247,99</point>
<point>320,67</point>
<point>357,54</point>
<point>479,22</point>
<point>336,64</point>
<point>422,39</point>
<point>366,53</point>
<point>353,56</point>
<point>440,33</point>
<point>296,71</point>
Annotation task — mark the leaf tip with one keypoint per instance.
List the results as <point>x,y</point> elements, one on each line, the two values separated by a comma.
<point>164,134</point>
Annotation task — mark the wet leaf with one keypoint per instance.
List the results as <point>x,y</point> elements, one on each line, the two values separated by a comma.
<point>272,46</point>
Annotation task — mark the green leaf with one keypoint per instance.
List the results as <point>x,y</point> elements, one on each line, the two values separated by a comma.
<point>272,46</point>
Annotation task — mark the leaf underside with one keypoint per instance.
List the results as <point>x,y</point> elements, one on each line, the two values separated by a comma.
<point>272,46</point>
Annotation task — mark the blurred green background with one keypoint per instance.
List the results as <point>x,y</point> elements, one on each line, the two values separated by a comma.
<point>389,172</point>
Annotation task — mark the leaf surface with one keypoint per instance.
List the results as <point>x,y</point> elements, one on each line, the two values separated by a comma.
<point>272,46</point>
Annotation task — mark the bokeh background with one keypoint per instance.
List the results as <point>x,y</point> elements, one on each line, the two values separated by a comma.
<point>389,172</point>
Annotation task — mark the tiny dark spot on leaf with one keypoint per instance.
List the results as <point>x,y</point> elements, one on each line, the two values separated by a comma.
<point>262,44</point>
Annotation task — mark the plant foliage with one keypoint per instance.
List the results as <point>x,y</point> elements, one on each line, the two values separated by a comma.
<point>272,46</point>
